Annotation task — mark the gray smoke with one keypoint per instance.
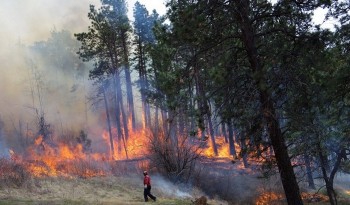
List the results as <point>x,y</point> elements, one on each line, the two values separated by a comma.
<point>170,189</point>
<point>3,148</point>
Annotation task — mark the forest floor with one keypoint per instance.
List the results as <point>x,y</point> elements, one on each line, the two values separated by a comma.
<point>94,191</point>
<point>227,181</point>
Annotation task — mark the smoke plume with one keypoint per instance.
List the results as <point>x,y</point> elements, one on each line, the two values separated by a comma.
<point>170,189</point>
<point>60,96</point>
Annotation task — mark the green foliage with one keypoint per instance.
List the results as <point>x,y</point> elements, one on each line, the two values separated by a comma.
<point>102,43</point>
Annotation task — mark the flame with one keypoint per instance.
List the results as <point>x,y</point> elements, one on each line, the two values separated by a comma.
<point>223,149</point>
<point>132,147</point>
<point>267,197</point>
<point>38,140</point>
<point>67,159</point>
<point>43,159</point>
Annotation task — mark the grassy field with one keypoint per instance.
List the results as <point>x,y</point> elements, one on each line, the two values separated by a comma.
<point>109,190</point>
<point>94,191</point>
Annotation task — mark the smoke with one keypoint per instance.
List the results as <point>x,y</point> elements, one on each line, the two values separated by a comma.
<point>170,189</point>
<point>342,181</point>
<point>3,150</point>
<point>32,20</point>
<point>63,95</point>
<point>31,80</point>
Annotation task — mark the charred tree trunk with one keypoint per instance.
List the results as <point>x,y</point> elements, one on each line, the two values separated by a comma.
<point>108,121</point>
<point>223,130</point>
<point>285,168</point>
<point>129,92</point>
<point>165,121</point>
<point>117,116</point>
<point>173,128</point>
<point>310,178</point>
<point>181,123</point>
<point>148,109</point>
<point>121,107</point>
<point>329,181</point>
<point>329,186</point>
<point>231,139</point>
<point>244,150</point>
<point>143,83</point>
<point>113,55</point>
<point>120,104</point>
<point>205,113</point>
<point>212,135</point>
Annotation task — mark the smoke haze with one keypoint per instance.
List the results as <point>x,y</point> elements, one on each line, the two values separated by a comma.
<point>24,24</point>
<point>170,189</point>
<point>25,27</point>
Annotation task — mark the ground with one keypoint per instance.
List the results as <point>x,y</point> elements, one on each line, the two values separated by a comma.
<point>95,191</point>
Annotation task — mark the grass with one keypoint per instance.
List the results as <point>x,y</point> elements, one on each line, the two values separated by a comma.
<point>94,191</point>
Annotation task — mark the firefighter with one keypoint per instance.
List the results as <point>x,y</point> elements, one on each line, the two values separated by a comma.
<point>147,185</point>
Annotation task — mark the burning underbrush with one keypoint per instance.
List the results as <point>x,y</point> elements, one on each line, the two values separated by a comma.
<point>176,159</point>
<point>71,156</point>
<point>275,198</point>
<point>51,160</point>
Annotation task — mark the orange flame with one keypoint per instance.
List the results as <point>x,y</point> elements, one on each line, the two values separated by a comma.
<point>134,145</point>
<point>43,159</point>
<point>223,149</point>
<point>267,197</point>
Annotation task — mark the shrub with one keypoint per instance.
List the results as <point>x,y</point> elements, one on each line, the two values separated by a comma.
<point>174,156</point>
<point>12,173</point>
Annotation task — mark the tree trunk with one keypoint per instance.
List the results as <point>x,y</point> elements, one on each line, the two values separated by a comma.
<point>125,135</point>
<point>223,130</point>
<point>117,115</point>
<point>285,168</point>
<point>244,151</point>
<point>142,76</point>
<point>231,139</point>
<point>165,121</point>
<point>329,185</point>
<point>129,92</point>
<point>205,113</point>
<point>310,178</point>
<point>181,122</point>
<point>212,135</point>
<point>156,120</point>
<point>108,122</point>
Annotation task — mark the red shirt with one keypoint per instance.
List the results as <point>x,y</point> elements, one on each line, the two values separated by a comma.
<point>147,180</point>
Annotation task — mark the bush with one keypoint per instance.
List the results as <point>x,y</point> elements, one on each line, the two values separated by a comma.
<point>174,156</point>
<point>12,173</point>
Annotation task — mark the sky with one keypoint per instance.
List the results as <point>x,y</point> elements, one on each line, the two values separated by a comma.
<point>32,20</point>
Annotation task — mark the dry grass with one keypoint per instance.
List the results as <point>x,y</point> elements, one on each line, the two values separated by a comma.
<point>96,191</point>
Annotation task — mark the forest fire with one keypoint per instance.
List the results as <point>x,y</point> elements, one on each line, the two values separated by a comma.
<point>132,147</point>
<point>267,198</point>
<point>43,159</point>
<point>223,149</point>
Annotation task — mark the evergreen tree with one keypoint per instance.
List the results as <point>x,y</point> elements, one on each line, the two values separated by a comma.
<point>104,43</point>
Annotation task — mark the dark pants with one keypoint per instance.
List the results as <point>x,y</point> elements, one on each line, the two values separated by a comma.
<point>147,193</point>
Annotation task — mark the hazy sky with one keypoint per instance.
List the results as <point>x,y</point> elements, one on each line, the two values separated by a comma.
<point>32,20</point>
<point>27,21</point>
